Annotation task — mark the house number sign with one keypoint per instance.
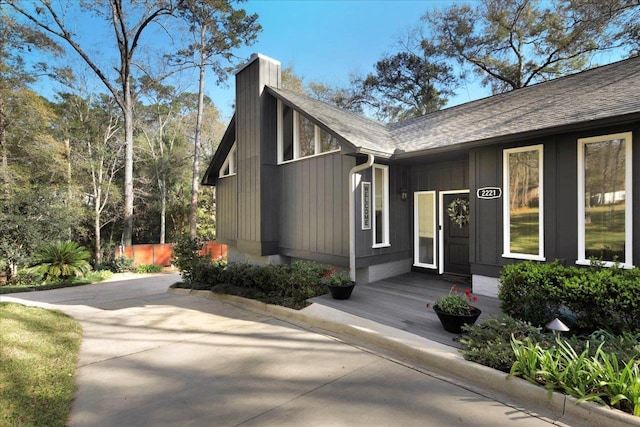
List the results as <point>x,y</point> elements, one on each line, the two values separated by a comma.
<point>489,193</point>
<point>366,206</point>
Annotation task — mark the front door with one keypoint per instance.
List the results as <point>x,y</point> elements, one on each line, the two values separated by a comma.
<point>455,235</point>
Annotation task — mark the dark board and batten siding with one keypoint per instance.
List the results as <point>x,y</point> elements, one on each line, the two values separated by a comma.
<point>560,169</point>
<point>227,210</point>
<point>399,222</point>
<point>314,209</point>
<point>255,134</point>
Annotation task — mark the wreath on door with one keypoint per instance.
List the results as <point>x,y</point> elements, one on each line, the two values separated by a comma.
<point>458,211</point>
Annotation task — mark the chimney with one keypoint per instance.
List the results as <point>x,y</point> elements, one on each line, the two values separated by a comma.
<point>256,145</point>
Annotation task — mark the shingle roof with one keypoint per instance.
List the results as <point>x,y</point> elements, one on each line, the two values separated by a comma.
<point>358,130</point>
<point>601,93</point>
<point>604,92</point>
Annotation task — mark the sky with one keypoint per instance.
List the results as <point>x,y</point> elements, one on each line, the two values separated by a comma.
<point>326,40</point>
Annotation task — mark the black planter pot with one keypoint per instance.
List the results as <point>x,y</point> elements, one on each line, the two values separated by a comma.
<point>453,322</point>
<point>341,292</point>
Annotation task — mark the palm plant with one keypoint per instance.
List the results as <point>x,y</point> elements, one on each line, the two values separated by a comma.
<point>61,260</point>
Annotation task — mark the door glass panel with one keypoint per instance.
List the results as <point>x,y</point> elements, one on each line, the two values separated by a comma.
<point>425,228</point>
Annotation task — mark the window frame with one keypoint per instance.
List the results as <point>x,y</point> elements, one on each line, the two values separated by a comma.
<point>230,161</point>
<point>317,140</point>
<point>506,204</point>
<point>628,206</point>
<point>385,206</point>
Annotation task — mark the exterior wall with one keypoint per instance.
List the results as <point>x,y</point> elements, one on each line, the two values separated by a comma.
<point>227,210</point>
<point>399,222</point>
<point>255,138</point>
<point>314,213</point>
<point>560,174</point>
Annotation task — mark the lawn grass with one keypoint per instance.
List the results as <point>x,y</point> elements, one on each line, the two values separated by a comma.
<point>91,277</point>
<point>38,355</point>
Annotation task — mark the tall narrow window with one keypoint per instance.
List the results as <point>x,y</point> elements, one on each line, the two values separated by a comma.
<point>604,199</point>
<point>523,203</point>
<point>306,137</point>
<point>229,166</point>
<point>381,206</point>
<point>299,137</point>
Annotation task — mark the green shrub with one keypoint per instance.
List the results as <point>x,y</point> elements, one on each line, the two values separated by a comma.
<point>489,343</point>
<point>530,291</point>
<point>61,260</point>
<point>119,264</point>
<point>289,286</point>
<point>148,268</point>
<point>586,299</point>
<point>606,298</point>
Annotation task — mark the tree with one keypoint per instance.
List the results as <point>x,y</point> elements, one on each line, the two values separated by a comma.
<point>408,84</point>
<point>217,29</point>
<point>93,127</point>
<point>512,44</point>
<point>45,18</point>
<point>163,132</point>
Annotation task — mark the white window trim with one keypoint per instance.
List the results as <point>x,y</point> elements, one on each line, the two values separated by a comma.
<point>506,223</point>
<point>416,231</point>
<point>296,139</point>
<point>628,205</point>
<point>229,161</point>
<point>385,206</point>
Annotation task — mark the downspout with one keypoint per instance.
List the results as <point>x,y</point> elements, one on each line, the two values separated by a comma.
<point>352,214</point>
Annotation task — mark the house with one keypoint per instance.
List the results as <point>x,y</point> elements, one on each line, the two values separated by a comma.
<point>551,171</point>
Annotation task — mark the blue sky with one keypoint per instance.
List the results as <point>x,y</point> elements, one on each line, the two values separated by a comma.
<point>327,40</point>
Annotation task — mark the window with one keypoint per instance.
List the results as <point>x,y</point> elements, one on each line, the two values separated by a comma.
<point>298,137</point>
<point>229,166</point>
<point>604,199</point>
<point>523,203</point>
<point>381,206</point>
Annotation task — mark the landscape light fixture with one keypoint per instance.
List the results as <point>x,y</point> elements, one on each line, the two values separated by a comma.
<point>557,326</point>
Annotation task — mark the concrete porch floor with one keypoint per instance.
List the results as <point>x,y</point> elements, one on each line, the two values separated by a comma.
<point>400,302</point>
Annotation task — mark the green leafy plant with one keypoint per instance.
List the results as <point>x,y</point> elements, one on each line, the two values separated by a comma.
<point>601,377</point>
<point>489,343</point>
<point>61,260</point>
<point>335,278</point>
<point>148,268</point>
<point>456,302</point>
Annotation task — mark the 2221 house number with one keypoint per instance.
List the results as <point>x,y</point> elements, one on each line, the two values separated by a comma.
<point>489,193</point>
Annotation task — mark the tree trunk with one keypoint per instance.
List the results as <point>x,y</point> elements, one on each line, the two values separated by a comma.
<point>3,147</point>
<point>163,209</point>
<point>127,232</point>
<point>96,225</point>
<point>193,212</point>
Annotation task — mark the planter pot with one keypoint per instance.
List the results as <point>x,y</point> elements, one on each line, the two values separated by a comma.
<point>453,322</point>
<point>341,292</point>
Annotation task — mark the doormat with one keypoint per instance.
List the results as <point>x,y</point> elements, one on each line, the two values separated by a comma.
<point>461,279</point>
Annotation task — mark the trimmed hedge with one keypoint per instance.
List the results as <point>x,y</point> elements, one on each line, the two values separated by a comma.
<point>287,285</point>
<point>585,298</point>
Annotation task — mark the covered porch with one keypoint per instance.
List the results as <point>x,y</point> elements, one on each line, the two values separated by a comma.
<point>400,302</point>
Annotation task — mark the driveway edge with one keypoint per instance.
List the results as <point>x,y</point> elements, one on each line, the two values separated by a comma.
<point>422,352</point>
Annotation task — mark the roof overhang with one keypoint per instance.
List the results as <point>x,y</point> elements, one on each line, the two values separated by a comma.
<point>213,171</point>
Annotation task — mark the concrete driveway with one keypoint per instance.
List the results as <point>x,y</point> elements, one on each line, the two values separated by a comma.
<point>151,358</point>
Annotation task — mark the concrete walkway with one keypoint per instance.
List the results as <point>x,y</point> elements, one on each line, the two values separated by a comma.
<point>158,358</point>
